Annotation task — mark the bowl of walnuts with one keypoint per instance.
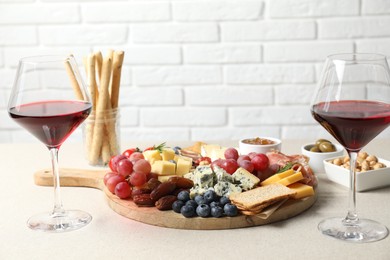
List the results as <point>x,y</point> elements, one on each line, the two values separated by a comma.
<point>371,172</point>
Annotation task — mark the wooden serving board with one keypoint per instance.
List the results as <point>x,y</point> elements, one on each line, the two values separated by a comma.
<point>170,219</point>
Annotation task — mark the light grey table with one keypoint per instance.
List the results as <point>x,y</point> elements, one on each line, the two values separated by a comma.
<point>111,236</point>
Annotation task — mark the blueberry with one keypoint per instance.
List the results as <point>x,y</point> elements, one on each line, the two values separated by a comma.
<point>230,210</point>
<point>210,196</point>
<point>216,211</point>
<point>183,196</point>
<point>187,211</point>
<point>223,200</point>
<point>199,199</point>
<point>177,205</point>
<point>203,210</point>
<point>215,204</point>
<point>192,203</point>
<point>176,149</point>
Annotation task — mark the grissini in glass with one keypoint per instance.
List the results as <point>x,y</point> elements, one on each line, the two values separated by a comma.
<point>50,100</point>
<point>352,102</point>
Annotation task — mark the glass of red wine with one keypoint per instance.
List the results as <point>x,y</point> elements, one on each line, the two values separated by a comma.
<point>352,102</point>
<point>50,100</point>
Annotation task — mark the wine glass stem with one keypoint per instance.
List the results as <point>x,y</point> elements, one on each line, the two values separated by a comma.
<point>58,210</point>
<point>352,217</point>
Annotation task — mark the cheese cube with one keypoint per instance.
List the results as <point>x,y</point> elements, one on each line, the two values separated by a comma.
<point>291,179</point>
<point>302,190</point>
<point>183,166</point>
<point>164,168</point>
<point>177,157</point>
<point>164,178</point>
<point>246,179</point>
<point>152,156</point>
<point>277,177</point>
<point>168,154</point>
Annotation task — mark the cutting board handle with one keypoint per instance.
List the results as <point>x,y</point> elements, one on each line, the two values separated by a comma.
<point>72,178</point>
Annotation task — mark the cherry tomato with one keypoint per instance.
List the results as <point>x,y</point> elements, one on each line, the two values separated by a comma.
<point>149,148</point>
<point>203,159</point>
<point>130,151</point>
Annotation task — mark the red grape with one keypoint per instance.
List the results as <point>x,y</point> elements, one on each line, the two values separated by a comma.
<point>142,166</point>
<point>125,167</point>
<point>231,153</point>
<point>252,154</point>
<point>113,164</point>
<point>136,156</point>
<point>260,162</point>
<point>113,181</point>
<point>217,162</point>
<point>107,176</point>
<point>137,178</point>
<point>247,165</point>
<point>123,190</point>
<point>243,158</point>
<point>229,165</point>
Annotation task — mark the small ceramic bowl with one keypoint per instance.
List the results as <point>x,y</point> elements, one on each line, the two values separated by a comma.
<point>246,148</point>
<point>316,159</point>
<point>368,180</point>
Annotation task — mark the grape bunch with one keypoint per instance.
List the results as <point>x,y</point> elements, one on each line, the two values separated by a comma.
<point>129,171</point>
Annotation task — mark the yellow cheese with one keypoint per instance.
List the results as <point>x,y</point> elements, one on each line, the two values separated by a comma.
<point>152,156</point>
<point>291,179</point>
<point>302,190</point>
<point>183,167</point>
<point>164,178</point>
<point>277,177</point>
<point>168,154</point>
<point>177,157</point>
<point>163,168</point>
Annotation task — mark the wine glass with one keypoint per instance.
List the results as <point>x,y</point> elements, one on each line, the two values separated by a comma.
<point>49,99</point>
<point>352,102</point>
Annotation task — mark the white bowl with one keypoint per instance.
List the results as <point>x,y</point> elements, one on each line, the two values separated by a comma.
<point>246,148</point>
<point>364,180</point>
<point>316,159</point>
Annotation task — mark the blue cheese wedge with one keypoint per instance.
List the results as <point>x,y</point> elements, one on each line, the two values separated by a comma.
<point>222,175</point>
<point>246,180</point>
<point>223,188</point>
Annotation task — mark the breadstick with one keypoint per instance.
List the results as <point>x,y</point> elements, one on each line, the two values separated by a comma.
<point>92,80</point>
<point>106,155</point>
<point>116,77</point>
<point>99,64</point>
<point>98,133</point>
<point>73,79</point>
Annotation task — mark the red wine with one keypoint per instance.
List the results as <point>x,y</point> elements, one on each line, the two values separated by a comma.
<point>51,121</point>
<point>354,123</point>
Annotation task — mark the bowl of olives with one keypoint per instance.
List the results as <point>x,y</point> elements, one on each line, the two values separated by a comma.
<point>319,151</point>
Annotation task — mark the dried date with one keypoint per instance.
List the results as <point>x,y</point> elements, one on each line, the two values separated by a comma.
<point>165,203</point>
<point>162,190</point>
<point>143,200</point>
<point>181,182</point>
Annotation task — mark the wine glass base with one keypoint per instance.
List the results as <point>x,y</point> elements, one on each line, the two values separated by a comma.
<point>59,222</point>
<point>363,231</point>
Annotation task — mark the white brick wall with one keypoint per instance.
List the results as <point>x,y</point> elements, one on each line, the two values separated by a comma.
<point>198,69</point>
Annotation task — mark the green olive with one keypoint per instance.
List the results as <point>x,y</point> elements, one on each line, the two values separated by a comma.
<point>319,141</point>
<point>315,149</point>
<point>326,147</point>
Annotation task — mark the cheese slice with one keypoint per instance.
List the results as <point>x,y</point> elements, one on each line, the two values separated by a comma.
<point>302,190</point>
<point>291,179</point>
<point>277,177</point>
<point>183,166</point>
<point>177,157</point>
<point>164,168</point>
